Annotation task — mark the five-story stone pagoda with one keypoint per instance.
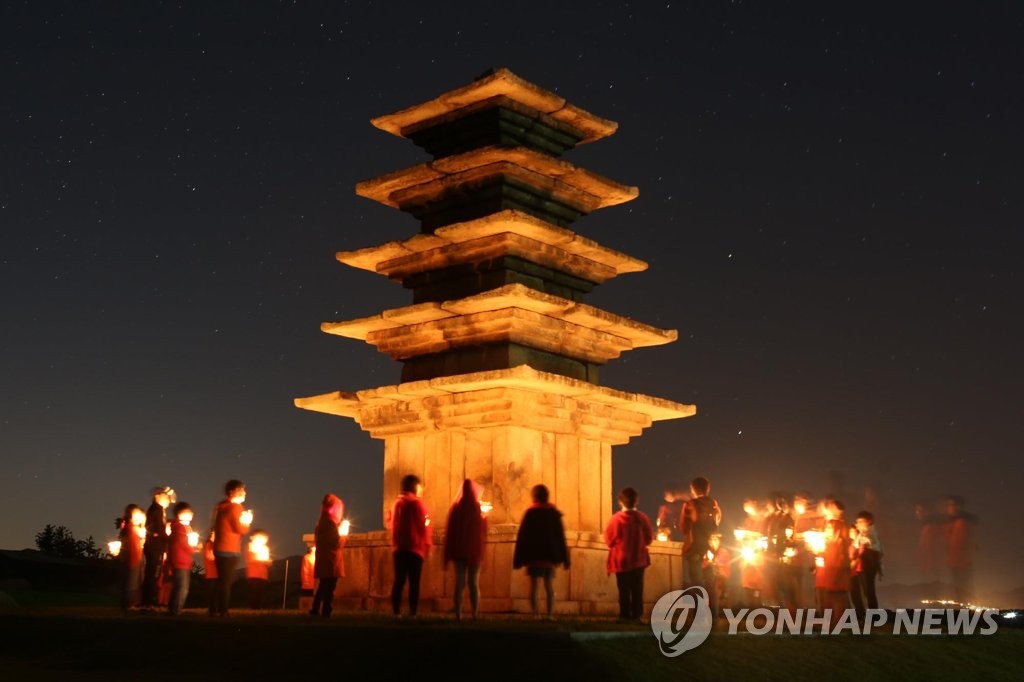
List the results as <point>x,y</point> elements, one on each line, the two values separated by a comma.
<point>500,356</point>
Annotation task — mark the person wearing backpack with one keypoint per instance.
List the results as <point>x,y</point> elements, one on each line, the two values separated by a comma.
<point>698,520</point>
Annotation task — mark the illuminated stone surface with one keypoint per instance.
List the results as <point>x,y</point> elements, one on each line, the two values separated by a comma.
<point>500,355</point>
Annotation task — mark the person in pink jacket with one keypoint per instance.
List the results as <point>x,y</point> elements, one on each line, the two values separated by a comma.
<point>410,543</point>
<point>628,535</point>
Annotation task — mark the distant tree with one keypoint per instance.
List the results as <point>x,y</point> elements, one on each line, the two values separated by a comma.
<point>60,541</point>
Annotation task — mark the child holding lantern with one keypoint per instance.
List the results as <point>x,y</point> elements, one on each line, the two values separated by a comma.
<point>183,543</point>
<point>131,531</point>
<point>257,567</point>
<point>328,560</point>
<point>410,542</point>
<point>230,523</point>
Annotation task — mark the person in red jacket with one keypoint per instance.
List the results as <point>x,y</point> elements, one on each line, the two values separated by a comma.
<point>410,543</point>
<point>464,540</point>
<point>257,567</point>
<point>210,573</point>
<point>328,560</point>
<point>832,569</point>
<point>131,531</point>
<point>182,544</point>
<point>230,523</point>
<point>628,535</point>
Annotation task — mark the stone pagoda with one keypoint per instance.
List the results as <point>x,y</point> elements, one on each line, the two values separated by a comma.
<point>500,355</point>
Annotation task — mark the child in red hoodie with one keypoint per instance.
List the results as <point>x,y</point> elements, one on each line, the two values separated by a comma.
<point>410,543</point>
<point>257,567</point>
<point>181,546</point>
<point>628,535</point>
<point>131,531</point>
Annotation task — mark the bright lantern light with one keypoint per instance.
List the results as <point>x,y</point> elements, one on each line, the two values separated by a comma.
<point>114,547</point>
<point>247,517</point>
<point>486,507</point>
<point>344,527</point>
<point>662,536</point>
<point>193,539</point>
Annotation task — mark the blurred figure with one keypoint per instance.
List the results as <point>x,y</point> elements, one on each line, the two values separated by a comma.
<point>156,545</point>
<point>960,545</point>
<point>230,523</point>
<point>183,543</point>
<point>410,543</point>
<point>131,531</point>
<point>668,514</point>
<point>751,574</point>
<point>327,557</point>
<point>210,573</point>
<point>717,571</point>
<point>464,540</point>
<point>308,584</point>
<point>866,552</point>
<point>540,546</point>
<point>257,567</point>
<point>699,518</point>
<point>929,540</point>
<point>832,572</point>
<point>628,535</point>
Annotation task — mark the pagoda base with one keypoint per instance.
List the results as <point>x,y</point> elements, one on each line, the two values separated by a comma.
<point>584,590</point>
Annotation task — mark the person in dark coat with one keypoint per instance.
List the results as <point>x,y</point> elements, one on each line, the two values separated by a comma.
<point>156,545</point>
<point>464,540</point>
<point>329,563</point>
<point>540,546</point>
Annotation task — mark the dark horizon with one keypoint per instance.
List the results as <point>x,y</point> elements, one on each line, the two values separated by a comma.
<point>829,205</point>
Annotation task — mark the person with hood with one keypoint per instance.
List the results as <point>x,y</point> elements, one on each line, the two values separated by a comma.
<point>155,547</point>
<point>540,546</point>
<point>628,535</point>
<point>464,540</point>
<point>328,560</point>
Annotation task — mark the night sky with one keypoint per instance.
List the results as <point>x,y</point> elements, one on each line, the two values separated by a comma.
<point>830,204</point>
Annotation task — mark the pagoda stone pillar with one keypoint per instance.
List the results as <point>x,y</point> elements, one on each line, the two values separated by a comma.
<point>500,355</point>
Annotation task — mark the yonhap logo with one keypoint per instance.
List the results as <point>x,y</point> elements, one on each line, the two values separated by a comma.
<point>681,620</point>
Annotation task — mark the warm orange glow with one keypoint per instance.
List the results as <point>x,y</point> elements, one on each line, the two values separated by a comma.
<point>815,540</point>
<point>262,553</point>
<point>114,547</point>
<point>486,507</point>
<point>711,555</point>
<point>747,553</point>
<point>344,527</point>
<point>819,561</point>
<point>193,539</point>
<point>662,536</point>
<point>789,533</point>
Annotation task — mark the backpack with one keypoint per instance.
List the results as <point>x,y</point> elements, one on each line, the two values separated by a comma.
<point>705,525</point>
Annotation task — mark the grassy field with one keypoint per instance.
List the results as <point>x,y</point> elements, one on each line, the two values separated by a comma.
<point>100,643</point>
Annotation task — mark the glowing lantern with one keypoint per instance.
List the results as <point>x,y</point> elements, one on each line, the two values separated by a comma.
<point>343,528</point>
<point>747,553</point>
<point>114,547</point>
<point>486,507</point>
<point>815,540</point>
<point>662,536</point>
<point>819,561</point>
<point>193,539</point>
<point>247,517</point>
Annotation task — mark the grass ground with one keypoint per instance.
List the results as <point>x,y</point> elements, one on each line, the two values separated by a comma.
<point>100,643</point>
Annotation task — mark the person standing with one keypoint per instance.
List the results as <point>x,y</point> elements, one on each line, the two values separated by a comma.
<point>131,531</point>
<point>156,545</point>
<point>628,535</point>
<point>866,551</point>
<point>410,543</point>
<point>540,546</point>
<point>464,539</point>
<point>959,532</point>
<point>328,560</point>
<point>182,544</point>
<point>700,518</point>
<point>257,567</point>
<point>230,523</point>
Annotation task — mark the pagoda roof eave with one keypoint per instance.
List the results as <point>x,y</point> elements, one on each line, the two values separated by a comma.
<point>500,83</point>
<point>522,377</point>
<point>597,263</point>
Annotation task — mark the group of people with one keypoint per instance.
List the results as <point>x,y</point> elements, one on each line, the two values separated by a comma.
<point>157,547</point>
<point>540,545</point>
